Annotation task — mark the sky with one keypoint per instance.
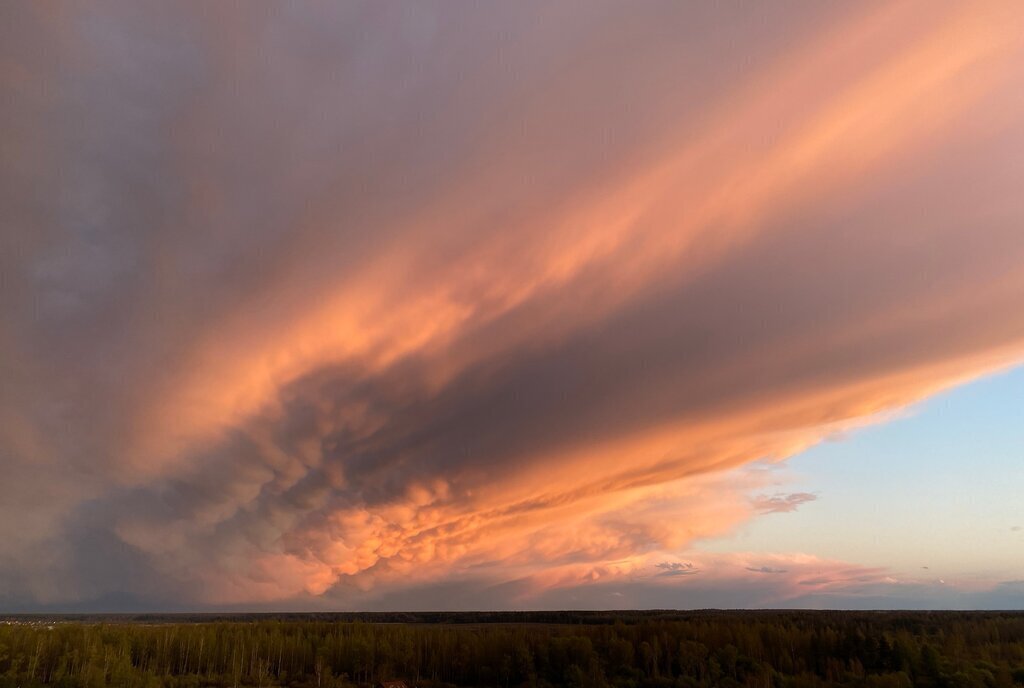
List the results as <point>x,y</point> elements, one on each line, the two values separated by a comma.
<point>350,306</point>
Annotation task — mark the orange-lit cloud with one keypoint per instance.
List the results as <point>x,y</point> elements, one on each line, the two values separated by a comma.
<point>295,312</point>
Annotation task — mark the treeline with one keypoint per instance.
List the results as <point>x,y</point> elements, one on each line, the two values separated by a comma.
<point>594,650</point>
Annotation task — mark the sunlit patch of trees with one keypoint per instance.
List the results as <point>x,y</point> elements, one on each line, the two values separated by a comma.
<point>594,650</point>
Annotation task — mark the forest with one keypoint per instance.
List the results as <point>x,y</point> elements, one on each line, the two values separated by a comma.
<point>535,650</point>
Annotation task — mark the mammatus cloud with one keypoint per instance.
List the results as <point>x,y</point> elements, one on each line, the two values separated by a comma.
<point>316,304</point>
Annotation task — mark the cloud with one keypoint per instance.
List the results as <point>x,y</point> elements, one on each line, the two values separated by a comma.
<point>766,569</point>
<point>782,503</point>
<point>676,568</point>
<point>338,303</point>
<point>728,582</point>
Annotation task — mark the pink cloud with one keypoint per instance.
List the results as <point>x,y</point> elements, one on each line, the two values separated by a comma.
<point>290,314</point>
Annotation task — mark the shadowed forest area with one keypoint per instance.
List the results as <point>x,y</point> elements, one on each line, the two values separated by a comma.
<point>593,649</point>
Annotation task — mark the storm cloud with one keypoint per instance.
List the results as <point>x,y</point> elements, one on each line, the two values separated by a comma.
<point>317,304</point>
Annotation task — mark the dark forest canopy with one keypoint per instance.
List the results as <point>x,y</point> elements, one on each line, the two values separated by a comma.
<point>601,649</point>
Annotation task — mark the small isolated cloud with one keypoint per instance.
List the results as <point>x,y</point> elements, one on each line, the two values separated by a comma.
<point>766,569</point>
<point>677,568</point>
<point>816,581</point>
<point>782,503</point>
<point>1015,529</point>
